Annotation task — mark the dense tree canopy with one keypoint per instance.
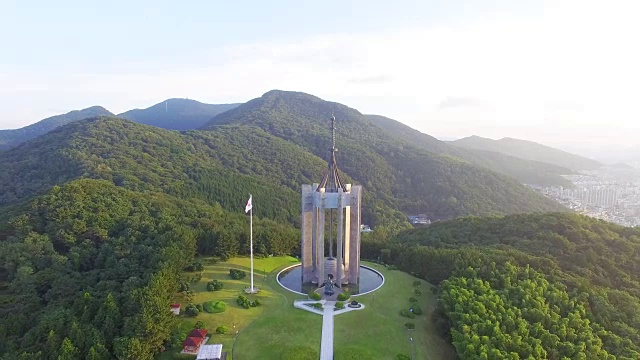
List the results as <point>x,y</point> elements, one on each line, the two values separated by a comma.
<point>587,263</point>
<point>89,270</point>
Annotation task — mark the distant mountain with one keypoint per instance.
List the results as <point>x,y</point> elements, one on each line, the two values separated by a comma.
<point>393,170</point>
<point>177,114</point>
<point>14,137</point>
<point>528,150</point>
<point>526,171</point>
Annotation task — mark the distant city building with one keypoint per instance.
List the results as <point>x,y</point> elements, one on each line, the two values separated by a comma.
<point>608,193</point>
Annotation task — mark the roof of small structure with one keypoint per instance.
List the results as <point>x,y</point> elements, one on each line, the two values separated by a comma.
<point>175,305</point>
<point>192,341</point>
<point>201,333</point>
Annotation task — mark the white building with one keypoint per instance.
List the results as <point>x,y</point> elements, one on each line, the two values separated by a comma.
<point>210,352</point>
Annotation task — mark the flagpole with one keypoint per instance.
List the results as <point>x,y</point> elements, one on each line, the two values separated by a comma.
<point>251,243</point>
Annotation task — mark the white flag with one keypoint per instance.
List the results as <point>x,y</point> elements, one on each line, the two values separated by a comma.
<point>248,206</point>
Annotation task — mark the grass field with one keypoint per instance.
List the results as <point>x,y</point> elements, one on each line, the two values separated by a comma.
<point>276,330</point>
<point>378,332</point>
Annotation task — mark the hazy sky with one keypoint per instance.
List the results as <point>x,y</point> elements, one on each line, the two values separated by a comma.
<point>559,72</point>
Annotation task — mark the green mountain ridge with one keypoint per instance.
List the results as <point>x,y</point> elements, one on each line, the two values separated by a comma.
<point>394,170</point>
<point>14,137</point>
<point>171,114</point>
<point>525,170</point>
<point>177,114</point>
<point>528,150</point>
<point>140,158</point>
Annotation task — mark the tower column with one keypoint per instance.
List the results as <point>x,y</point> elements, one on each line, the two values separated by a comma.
<point>339,239</point>
<point>320,238</point>
<point>308,224</point>
<point>354,230</point>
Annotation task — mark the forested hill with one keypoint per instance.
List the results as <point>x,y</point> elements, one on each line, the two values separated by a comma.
<point>390,168</point>
<point>11,138</point>
<point>145,158</point>
<point>522,169</point>
<point>177,114</point>
<point>88,270</point>
<point>528,150</point>
<point>571,281</point>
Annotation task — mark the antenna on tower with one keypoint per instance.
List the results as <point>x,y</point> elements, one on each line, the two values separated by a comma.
<point>331,180</point>
<point>333,133</point>
<point>166,106</point>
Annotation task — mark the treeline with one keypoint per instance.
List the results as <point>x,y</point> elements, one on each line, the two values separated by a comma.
<point>594,261</point>
<point>89,270</point>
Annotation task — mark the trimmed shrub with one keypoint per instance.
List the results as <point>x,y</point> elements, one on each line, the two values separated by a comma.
<point>191,310</point>
<point>407,313</point>
<point>221,330</point>
<point>199,307</point>
<point>417,310</point>
<point>214,307</point>
<point>413,300</point>
<point>339,305</point>
<point>214,285</point>
<point>316,305</point>
<point>236,274</point>
<point>410,325</point>
<point>220,306</point>
<point>417,292</point>
<point>417,283</point>
<point>314,295</point>
<point>256,303</point>
<point>344,296</point>
<point>199,325</point>
<point>243,301</point>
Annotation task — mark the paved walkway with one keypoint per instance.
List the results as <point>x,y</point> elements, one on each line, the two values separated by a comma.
<point>326,345</point>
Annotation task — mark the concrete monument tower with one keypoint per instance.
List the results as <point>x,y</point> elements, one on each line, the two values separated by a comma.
<point>331,199</point>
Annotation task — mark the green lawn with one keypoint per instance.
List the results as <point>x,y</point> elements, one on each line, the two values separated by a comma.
<point>277,330</point>
<point>234,314</point>
<point>379,329</point>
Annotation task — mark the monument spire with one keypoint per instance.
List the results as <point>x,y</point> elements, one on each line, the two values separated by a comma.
<point>331,181</point>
